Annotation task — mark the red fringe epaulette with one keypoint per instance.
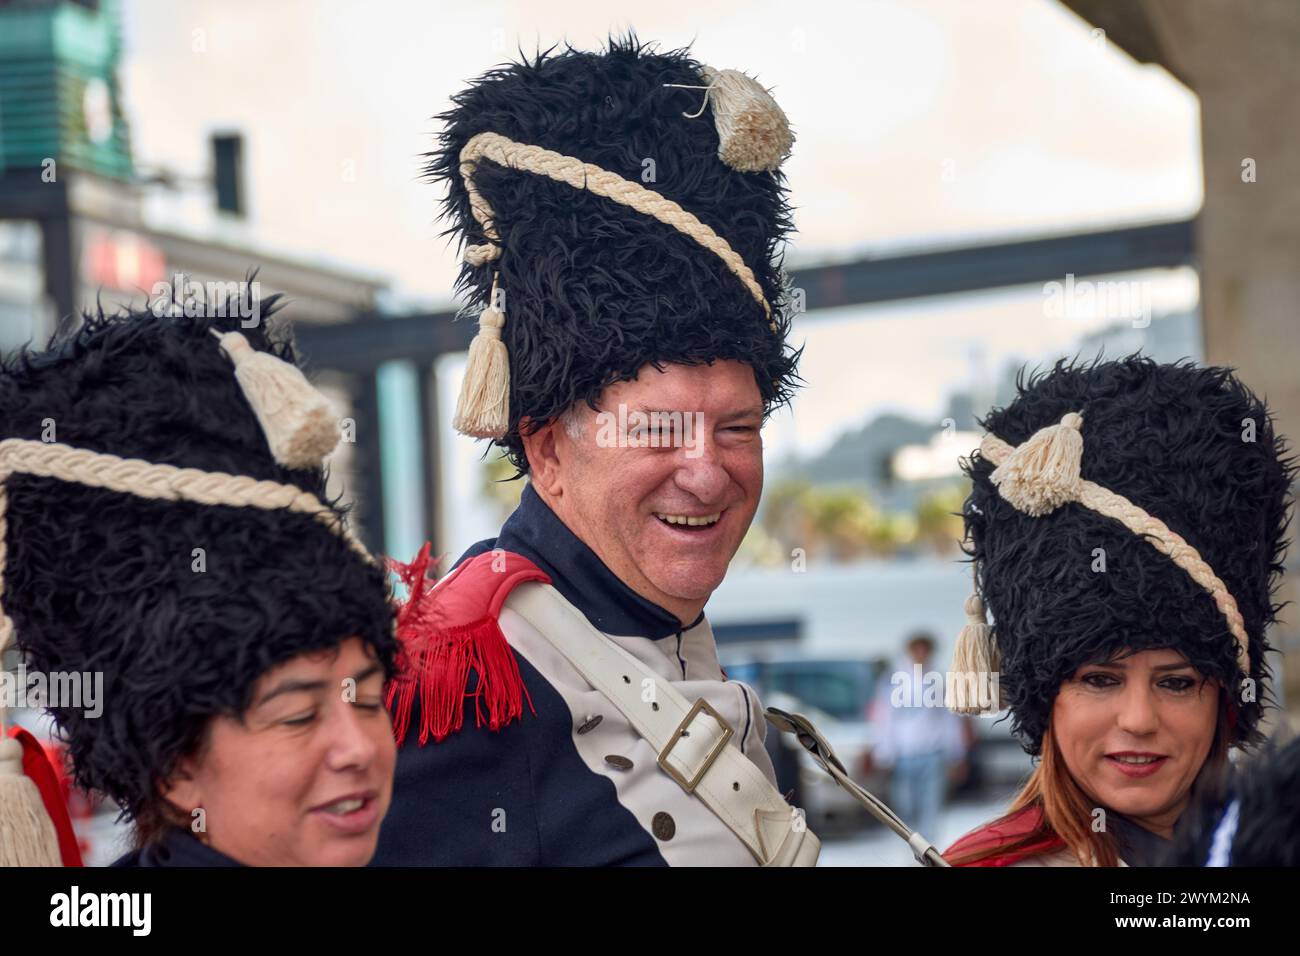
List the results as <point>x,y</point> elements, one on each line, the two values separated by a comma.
<point>447,629</point>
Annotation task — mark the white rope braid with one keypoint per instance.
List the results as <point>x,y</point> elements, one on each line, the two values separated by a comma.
<point>1043,473</point>
<point>147,480</point>
<point>569,169</point>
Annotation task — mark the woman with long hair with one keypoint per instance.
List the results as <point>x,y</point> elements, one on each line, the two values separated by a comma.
<point>1127,522</point>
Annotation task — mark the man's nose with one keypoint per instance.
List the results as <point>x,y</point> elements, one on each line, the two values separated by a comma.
<point>700,472</point>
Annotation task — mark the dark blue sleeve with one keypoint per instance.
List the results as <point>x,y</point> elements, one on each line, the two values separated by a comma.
<point>466,801</point>
<point>518,796</point>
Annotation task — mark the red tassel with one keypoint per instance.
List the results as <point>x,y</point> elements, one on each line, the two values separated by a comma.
<point>446,630</point>
<point>52,787</point>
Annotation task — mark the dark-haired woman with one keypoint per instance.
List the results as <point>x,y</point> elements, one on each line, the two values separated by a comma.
<point>173,533</point>
<point>1127,522</point>
<point>302,777</point>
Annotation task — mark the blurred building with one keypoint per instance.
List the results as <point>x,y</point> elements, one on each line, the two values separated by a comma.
<point>82,224</point>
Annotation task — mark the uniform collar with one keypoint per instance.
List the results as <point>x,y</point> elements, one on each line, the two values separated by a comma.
<point>536,532</point>
<point>1138,845</point>
<point>177,847</point>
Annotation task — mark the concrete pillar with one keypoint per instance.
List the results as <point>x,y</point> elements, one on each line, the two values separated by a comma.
<point>1243,62</point>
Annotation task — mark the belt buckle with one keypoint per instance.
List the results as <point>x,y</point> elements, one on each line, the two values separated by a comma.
<point>727,733</point>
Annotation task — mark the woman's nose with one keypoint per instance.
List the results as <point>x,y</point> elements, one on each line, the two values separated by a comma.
<point>352,744</point>
<point>1137,714</point>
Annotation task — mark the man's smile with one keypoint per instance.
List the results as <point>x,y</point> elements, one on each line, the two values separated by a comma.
<point>689,520</point>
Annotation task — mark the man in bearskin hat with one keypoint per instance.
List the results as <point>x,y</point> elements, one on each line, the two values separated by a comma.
<point>623,213</point>
<point>164,525</point>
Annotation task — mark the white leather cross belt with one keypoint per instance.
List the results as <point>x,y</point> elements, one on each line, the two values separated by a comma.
<point>691,738</point>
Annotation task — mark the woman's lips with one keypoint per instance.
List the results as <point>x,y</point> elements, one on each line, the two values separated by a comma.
<point>340,816</point>
<point>1153,763</point>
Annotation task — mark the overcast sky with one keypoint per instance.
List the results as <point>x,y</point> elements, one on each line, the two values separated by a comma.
<point>917,120</point>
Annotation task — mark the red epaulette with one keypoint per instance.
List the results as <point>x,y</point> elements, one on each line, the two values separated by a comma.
<point>1005,833</point>
<point>444,630</point>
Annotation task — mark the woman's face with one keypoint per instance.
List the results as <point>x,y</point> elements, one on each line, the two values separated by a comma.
<point>305,777</point>
<point>1135,732</point>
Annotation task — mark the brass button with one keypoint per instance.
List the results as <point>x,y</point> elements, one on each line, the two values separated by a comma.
<point>663,827</point>
<point>590,724</point>
<point>618,762</point>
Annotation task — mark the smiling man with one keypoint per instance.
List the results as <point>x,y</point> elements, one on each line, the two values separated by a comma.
<point>563,702</point>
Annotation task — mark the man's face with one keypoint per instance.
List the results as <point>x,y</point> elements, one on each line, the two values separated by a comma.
<point>663,500</point>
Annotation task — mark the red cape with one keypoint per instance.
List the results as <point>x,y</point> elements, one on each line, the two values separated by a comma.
<point>1003,834</point>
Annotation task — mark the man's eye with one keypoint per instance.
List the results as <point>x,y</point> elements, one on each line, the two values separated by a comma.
<point>300,720</point>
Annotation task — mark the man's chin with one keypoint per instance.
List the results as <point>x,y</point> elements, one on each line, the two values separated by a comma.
<point>689,584</point>
<point>687,565</point>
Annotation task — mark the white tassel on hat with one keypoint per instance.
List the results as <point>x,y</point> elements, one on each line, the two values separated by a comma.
<point>753,132</point>
<point>299,424</point>
<point>976,654</point>
<point>1042,474</point>
<point>483,407</point>
<point>27,836</point>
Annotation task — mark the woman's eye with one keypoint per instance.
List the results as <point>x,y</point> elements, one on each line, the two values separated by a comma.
<point>368,705</point>
<point>1099,680</point>
<point>300,721</point>
<point>1179,684</point>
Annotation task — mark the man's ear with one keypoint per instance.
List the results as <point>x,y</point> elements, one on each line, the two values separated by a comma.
<point>544,451</point>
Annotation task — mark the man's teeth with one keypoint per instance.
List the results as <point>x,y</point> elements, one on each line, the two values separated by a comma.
<point>345,806</point>
<point>688,520</point>
<point>1138,759</point>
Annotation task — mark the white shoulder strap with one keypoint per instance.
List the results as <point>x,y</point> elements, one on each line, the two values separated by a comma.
<point>691,738</point>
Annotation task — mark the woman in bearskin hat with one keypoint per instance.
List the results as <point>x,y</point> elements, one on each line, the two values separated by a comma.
<point>163,521</point>
<point>1127,522</point>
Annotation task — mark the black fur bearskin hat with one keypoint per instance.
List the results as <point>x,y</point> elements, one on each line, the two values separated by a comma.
<point>593,289</point>
<point>101,580</point>
<point>1193,456</point>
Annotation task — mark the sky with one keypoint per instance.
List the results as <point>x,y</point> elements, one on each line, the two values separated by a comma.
<point>918,123</point>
